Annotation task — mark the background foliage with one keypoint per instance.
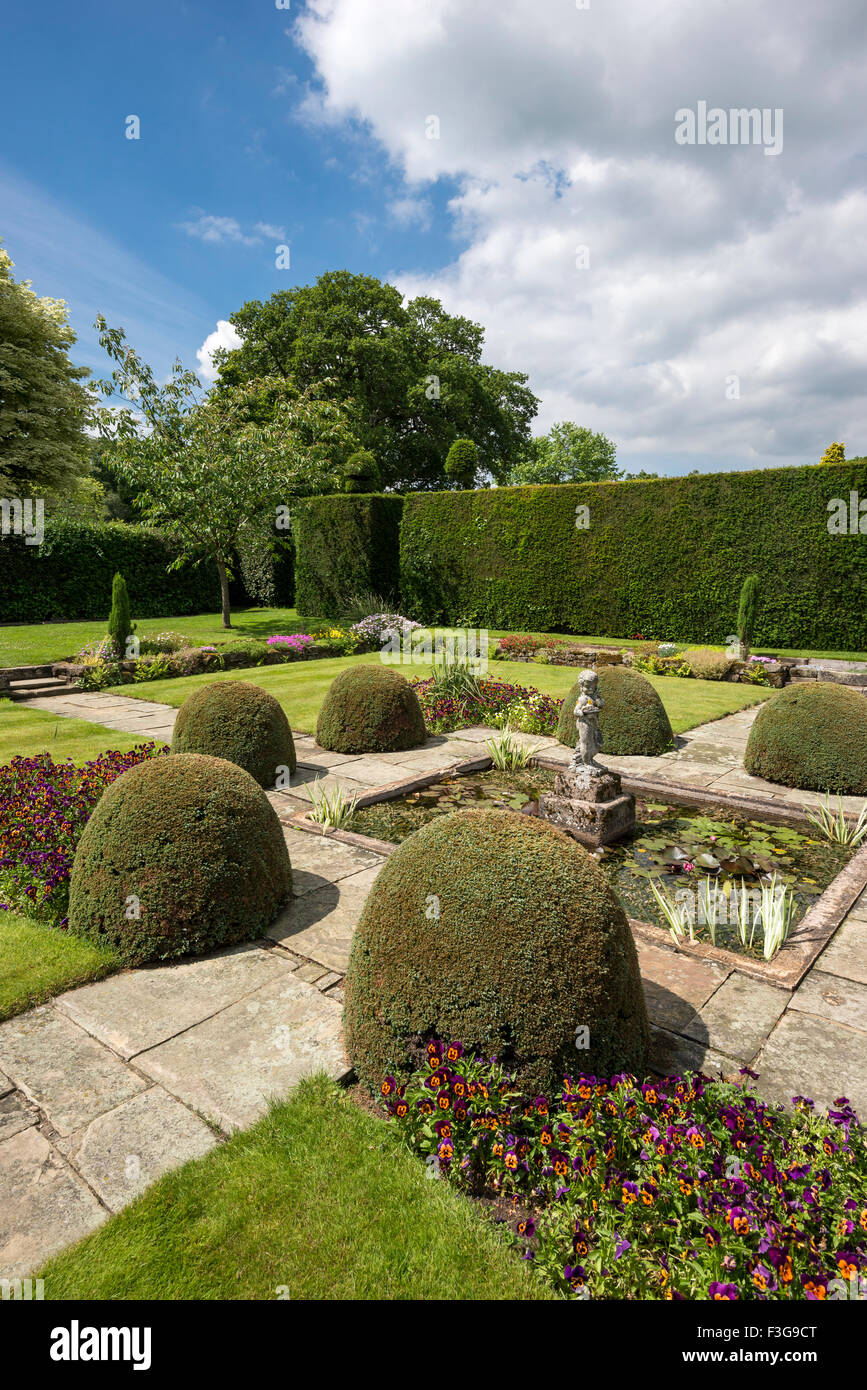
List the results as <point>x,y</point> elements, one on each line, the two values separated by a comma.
<point>344,545</point>
<point>662,558</point>
<point>70,574</point>
<point>665,558</point>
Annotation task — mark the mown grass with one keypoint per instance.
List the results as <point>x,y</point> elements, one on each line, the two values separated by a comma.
<point>38,962</point>
<point>316,1201</point>
<point>300,687</point>
<point>37,643</point>
<point>27,731</point>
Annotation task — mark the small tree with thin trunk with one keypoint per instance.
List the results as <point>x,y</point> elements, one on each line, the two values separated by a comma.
<point>747,612</point>
<point>205,469</point>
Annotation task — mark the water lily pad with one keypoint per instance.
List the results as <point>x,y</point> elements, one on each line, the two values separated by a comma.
<point>740,867</point>
<point>707,861</point>
<point>676,855</point>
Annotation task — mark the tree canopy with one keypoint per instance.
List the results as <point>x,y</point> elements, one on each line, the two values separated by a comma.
<point>204,470</point>
<point>569,453</point>
<point>43,405</point>
<point>411,373</point>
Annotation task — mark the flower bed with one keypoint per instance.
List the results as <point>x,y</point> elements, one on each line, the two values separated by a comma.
<point>497,705</point>
<point>98,666</point>
<point>44,807</point>
<point>291,642</point>
<point>380,626</point>
<point>685,1188</point>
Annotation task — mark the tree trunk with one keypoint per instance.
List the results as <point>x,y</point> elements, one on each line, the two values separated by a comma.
<point>224,593</point>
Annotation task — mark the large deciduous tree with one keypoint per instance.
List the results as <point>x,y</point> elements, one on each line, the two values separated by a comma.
<point>569,453</point>
<point>43,405</point>
<point>412,373</point>
<point>205,470</point>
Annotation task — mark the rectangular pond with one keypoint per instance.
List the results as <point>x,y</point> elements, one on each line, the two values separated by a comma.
<point>688,851</point>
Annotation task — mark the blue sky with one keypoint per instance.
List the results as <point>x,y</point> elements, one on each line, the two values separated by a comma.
<point>306,126</point>
<point>116,226</point>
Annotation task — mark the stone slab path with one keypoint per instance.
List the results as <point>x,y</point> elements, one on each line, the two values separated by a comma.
<point>114,1083</point>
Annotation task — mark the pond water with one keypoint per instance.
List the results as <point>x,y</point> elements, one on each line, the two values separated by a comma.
<point>674,845</point>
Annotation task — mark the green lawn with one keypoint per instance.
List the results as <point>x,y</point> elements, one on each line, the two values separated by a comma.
<point>38,643</point>
<point>316,1201</point>
<point>31,731</point>
<point>38,962</point>
<point>300,687</point>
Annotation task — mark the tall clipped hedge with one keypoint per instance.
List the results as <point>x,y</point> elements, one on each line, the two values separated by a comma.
<point>665,558</point>
<point>70,574</point>
<point>345,544</point>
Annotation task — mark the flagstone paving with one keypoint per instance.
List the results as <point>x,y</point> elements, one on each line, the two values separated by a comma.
<point>112,1084</point>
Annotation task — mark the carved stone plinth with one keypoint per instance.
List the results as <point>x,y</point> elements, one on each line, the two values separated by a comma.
<point>593,809</point>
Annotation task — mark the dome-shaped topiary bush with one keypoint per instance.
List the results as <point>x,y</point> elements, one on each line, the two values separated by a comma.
<point>498,930</point>
<point>812,734</point>
<point>370,709</point>
<point>240,722</point>
<point>633,722</point>
<point>181,855</point>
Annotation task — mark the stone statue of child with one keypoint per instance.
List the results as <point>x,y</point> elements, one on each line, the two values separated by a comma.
<point>587,710</point>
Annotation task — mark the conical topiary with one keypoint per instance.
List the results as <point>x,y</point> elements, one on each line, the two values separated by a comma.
<point>120,625</point>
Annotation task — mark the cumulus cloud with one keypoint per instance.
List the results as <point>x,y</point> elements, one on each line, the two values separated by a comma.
<point>702,298</point>
<point>223,336</point>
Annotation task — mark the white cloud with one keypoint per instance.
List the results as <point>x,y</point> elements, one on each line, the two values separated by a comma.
<point>556,131</point>
<point>272,232</point>
<point>223,336</point>
<point>221,230</point>
<point>218,230</point>
<point>410,212</point>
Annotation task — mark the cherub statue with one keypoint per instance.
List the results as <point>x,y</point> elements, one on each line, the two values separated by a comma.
<point>587,710</point>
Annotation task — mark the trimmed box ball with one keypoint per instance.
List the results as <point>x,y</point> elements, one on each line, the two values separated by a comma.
<point>501,932</point>
<point>633,722</point>
<point>811,734</point>
<point>240,722</point>
<point>370,709</point>
<point>181,855</point>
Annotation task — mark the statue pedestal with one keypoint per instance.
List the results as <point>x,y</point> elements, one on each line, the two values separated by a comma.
<point>593,809</point>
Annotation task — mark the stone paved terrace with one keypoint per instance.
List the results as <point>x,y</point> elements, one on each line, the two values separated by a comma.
<point>112,1084</point>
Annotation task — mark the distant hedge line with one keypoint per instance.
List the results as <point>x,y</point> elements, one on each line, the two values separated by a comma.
<point>69,575</point>
<point>344,545</point>
<point>665,558</point>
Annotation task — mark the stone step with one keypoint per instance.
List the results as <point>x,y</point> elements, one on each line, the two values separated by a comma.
<point>44,685</point>
<point>827,673</point>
